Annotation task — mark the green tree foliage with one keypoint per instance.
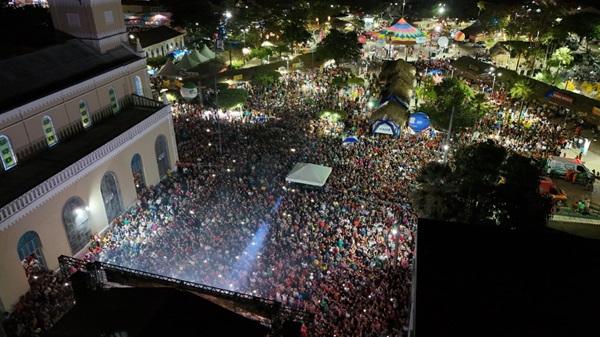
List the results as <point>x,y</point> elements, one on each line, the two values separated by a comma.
<point>266,78</point>
<point>426,90</point>
<point>486,184</point>
<point>522,91</point>
<point>281,48</point>
<point>156,62</point>
<point>231,98</point>
<point>340,46</point>
<point>453,92</point>
<point>260,53</point>
<point>561,59</point>
<point>480,7</point>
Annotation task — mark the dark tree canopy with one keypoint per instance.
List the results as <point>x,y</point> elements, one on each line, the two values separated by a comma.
<point>484,185</point>
<point>340,46</point>
<point>295,33</point>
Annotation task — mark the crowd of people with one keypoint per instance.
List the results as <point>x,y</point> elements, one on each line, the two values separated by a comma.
<point>227,217</point>
<point>48,298</point>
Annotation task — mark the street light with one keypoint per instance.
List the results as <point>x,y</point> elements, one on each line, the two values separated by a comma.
<point>227,14</point>
<point>403,4</point>
<point>494,75</point>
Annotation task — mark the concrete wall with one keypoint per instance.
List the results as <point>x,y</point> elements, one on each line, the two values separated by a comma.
<point>46,220</point>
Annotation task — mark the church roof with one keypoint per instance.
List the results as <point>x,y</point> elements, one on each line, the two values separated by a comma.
<point>156,35</point>
<point>48,70</point>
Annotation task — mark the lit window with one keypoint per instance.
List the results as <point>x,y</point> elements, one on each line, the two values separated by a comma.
<point>85,114</point>
<point>75,219</point>
<point>114,104</point>
<point>9,159</point>
<point>139,90</point>
<point>49,132</point>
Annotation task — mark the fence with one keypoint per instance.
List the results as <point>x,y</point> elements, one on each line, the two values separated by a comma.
<point>76,127</point>
<point>273,308</point>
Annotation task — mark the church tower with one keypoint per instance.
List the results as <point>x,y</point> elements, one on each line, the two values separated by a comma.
<point>99,23</point>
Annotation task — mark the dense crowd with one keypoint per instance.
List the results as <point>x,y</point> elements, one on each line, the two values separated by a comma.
<point>230,220</point>
<point>227,217</point>
<point>48,298</point>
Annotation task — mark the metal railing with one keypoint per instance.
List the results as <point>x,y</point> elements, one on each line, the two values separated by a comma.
<point>75,128</point>
<point>273,308</point>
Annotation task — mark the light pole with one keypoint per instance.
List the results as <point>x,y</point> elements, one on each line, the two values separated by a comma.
<point>228,16</point>
<point>403,4</point>
<point>446,146</point>
<point>245,30</point>
<point>441,9</point>
<point>494,75</point>
<point>494,81</point>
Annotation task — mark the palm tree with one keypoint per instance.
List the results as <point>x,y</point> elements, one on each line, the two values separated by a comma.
<point>480,7</point>
<point>521,90</point>
<point>435,195</point>
<point>561,58</point>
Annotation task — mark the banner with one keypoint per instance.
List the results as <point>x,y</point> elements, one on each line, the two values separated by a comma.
<point>558,97</point>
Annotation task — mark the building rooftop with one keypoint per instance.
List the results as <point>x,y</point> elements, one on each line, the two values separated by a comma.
<point>479,280</point>
<point>48,70</point>
<point>156,35</point>
<point>74,143</point>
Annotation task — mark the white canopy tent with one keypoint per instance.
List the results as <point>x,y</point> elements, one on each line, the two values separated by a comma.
<point>309,174</point>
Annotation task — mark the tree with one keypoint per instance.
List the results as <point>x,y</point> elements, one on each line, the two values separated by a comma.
<point>519,203</point>
<point>521,90</point>
<point>434,197</point>
<point>480,7</point>
<point>485,184</point>
<point>426,90</point>
<point>561,58</point>
<point>456,94</point>
<point>294,33</point>
<point>517,49</point>
<point>584,24</point>
<point>282,48</point>
<point>156,62</point>
<point>231,98</point>
<point>340,46</point>
<point>260,53</point>
<point>266,78</point>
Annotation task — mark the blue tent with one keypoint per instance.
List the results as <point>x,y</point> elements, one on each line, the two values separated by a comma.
<point>418,121</point>
<point>386,127</point>
<point>350,140</point>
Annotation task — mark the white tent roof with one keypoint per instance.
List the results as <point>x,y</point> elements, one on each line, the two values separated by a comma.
<point>309,174</point>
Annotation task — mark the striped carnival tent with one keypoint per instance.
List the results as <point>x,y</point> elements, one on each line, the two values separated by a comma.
<point>401,33</point>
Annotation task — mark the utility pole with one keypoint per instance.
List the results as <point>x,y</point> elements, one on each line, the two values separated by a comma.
<point>447,141</point>
<point>217,107</point>
<point>403,4</point>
